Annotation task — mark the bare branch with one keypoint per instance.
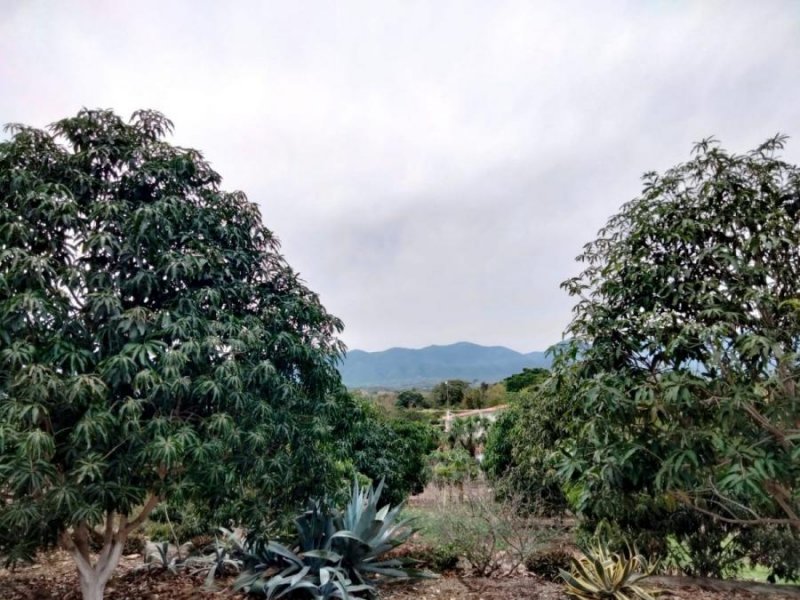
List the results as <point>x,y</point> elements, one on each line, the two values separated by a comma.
<point>151,503</point>
<point>792,520</point>
<point>81,539</point>
<point>768,426</point>
<point>753,521</point>
<point>782,496</point>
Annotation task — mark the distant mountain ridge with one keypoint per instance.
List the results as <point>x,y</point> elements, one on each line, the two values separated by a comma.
<point>406,367</point>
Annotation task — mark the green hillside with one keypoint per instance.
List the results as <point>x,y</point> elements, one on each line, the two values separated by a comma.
<point>405,367</point>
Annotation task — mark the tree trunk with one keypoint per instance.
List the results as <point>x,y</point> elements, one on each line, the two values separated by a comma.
<point>92,590</point>
<point>93,579</point>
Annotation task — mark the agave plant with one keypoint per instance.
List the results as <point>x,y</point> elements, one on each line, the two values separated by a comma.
<point>280,571</point>
<point>335,555</point>
<point>224,558</point>
<point>601,574</point>
<point>160,558</point>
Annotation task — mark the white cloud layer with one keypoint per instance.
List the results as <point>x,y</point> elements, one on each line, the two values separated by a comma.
<point>432,168</point>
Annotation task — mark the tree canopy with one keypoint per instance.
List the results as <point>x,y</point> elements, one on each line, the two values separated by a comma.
<point>449,393</point>
<point>681,366</point>
<point>687,327</point>
<point>392,449</point>
<point>526,378</point>
<point>153,341</point>
<point>411,399</point>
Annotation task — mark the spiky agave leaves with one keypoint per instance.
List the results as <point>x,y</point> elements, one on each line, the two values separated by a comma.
<point>601,574</point>
<point>281,572</point>
<point>336,555</point>
<point>367,532</point>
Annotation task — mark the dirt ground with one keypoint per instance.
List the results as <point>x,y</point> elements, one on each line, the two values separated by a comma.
<point>53,578</point>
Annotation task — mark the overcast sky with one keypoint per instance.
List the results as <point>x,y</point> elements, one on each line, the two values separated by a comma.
<point>431,168</point>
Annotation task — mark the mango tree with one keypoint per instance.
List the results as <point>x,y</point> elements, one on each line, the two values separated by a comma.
<point>680,373</point>
<point>153,341</point>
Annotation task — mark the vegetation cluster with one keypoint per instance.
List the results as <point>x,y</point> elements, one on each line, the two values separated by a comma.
<point>163,368</point>
<point>669,420</point>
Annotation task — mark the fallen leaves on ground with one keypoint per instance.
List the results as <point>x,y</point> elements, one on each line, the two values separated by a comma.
<point>54,578</point>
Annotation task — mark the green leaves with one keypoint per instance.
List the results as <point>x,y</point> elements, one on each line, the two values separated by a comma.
<point>146,315</point>
<point>684,345</point>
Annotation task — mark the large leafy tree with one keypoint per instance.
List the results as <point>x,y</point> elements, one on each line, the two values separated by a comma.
<point>527,378</point>
<point>450,393</point>
<point>411,399</point>
<point>383,448</point>
<point>153,342</point>
<point>517,456</point>
<point>681,368</point>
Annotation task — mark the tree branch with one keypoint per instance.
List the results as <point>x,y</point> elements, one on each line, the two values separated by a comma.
<point>792,520</point>
<point>151,503</point>
<point>761,420</point>
<point>753,521</point>
<point>108,537</point>
<point>81,539</point>
<point>782,496</point>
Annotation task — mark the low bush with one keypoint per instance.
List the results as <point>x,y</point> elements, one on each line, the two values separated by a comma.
<point>493,538</point>
<point>548,564</point>
<point>439,558</point>
<point>778,547</point>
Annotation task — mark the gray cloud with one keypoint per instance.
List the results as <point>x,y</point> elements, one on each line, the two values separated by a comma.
<point>433,168</point>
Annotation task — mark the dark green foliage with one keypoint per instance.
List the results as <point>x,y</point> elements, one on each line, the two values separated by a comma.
<point>417,440</point>
<point>411,399</point>
<point>548,564</point>
<point>450,393</point>
<point>452,467</point>
<point>526,379</point>
<point>775,546</point>
<point>498,453</point>
<point>439,558</point>
<point>683,540</point>
<point>477,397</point>
<point>153,341</point>
<point>335,554</point>
<point>178,522</point>
<point>468,433</point>
<point>679,376</point>
<point>394,450</point>
<point>518,456</point>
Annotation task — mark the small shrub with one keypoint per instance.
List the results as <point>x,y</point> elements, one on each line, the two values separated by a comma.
<point>154,530</point>
<point>777,547</point>
<point>549,564</point>
<point>134,544</point>
<point>180,521</point>
<point>439,558</point>
<point>493,538</point>
<point>444,558</point>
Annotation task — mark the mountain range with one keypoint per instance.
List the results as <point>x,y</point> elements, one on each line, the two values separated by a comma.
<point>423,367</point>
